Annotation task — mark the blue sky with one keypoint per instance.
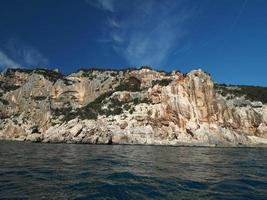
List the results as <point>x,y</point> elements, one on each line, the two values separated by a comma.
<point>227,38</point>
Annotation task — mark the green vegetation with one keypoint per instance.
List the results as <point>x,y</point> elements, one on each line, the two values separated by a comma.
<point>253,93</point>
<point>35,129</point>
<point>146,67</point>
<point>87,112</point>
<point>7,87</point>
<point>131,110</point>
<point>131,84</point>
<point>47,73</point>
<point>127,106</point>
<point>95,108</point>
<point>90,111</point>
<point>114,108</point>
<point>88,72</point>
<point>92,69</point>
<point>137,101</point>
<point>3,115</point>
<point>115,70</point>
<point>51,75</point>
<point>161,82</point>
<point>115,111</point>
<point>5,102</point>
<point>61,111</point>
<point>38,98</point>
<point>102,81</point>
<point>146,100</point>
<point>11,71</point>
<point>113,74</point>
<point>67,112</point>
<point>99,69</point>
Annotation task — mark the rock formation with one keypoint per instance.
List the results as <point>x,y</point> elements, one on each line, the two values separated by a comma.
<point>132,106</point>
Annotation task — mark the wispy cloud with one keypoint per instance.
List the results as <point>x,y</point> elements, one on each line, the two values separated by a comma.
<point>239,13</point>
<point>146,32</point>
<point>103,4</point>
<point>17,54</point>
<point>113,23</point>
<point>7,62</point>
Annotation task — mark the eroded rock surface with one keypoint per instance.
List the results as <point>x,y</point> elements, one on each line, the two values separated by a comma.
<point>134,106</point>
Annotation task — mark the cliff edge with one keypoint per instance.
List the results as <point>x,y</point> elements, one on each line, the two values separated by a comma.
<point>132,106</point>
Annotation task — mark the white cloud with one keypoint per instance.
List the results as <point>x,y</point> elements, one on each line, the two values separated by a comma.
<point>146,32</point>
<point>32,57</point>
<point>113,23</point>
<point>116,37</point>
<point>17,54</point>
<point>103,4</point>
<point>6,62</point>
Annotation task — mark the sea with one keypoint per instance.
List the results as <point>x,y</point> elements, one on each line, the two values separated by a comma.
<point>81,171</point>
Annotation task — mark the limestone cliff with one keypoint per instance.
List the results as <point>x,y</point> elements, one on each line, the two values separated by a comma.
<point>133,106</point>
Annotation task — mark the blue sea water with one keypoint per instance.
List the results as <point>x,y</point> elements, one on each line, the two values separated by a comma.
<point>67,171</point>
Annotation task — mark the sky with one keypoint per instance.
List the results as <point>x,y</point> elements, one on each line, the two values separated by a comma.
<point>226,38</point>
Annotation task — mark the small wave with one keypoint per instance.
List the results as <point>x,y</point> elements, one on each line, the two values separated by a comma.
<point>131,172</point>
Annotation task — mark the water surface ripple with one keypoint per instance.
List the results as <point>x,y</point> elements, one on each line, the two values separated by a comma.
<point>67,171</point>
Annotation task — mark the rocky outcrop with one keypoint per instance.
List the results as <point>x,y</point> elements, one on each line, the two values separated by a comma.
<point>134,106</point>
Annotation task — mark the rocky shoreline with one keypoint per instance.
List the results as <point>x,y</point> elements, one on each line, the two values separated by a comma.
<point>132,106</point>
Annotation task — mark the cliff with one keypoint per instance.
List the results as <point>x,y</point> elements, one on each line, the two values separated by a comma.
<point>133,106</point>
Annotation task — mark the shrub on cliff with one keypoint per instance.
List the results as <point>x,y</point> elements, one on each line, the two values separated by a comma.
<point>253,93</point>
<point>137,101</point>
<point>115,111</point>
<point>7,87</point>
<point>90,111</point>
<point>161,82</point>
<point>51,75</point>
<point>4,102</point>
<point>38,98</point>
<point>131,84</point>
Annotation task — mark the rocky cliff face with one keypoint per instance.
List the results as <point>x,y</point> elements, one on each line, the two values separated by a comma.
<point>134,106</point>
